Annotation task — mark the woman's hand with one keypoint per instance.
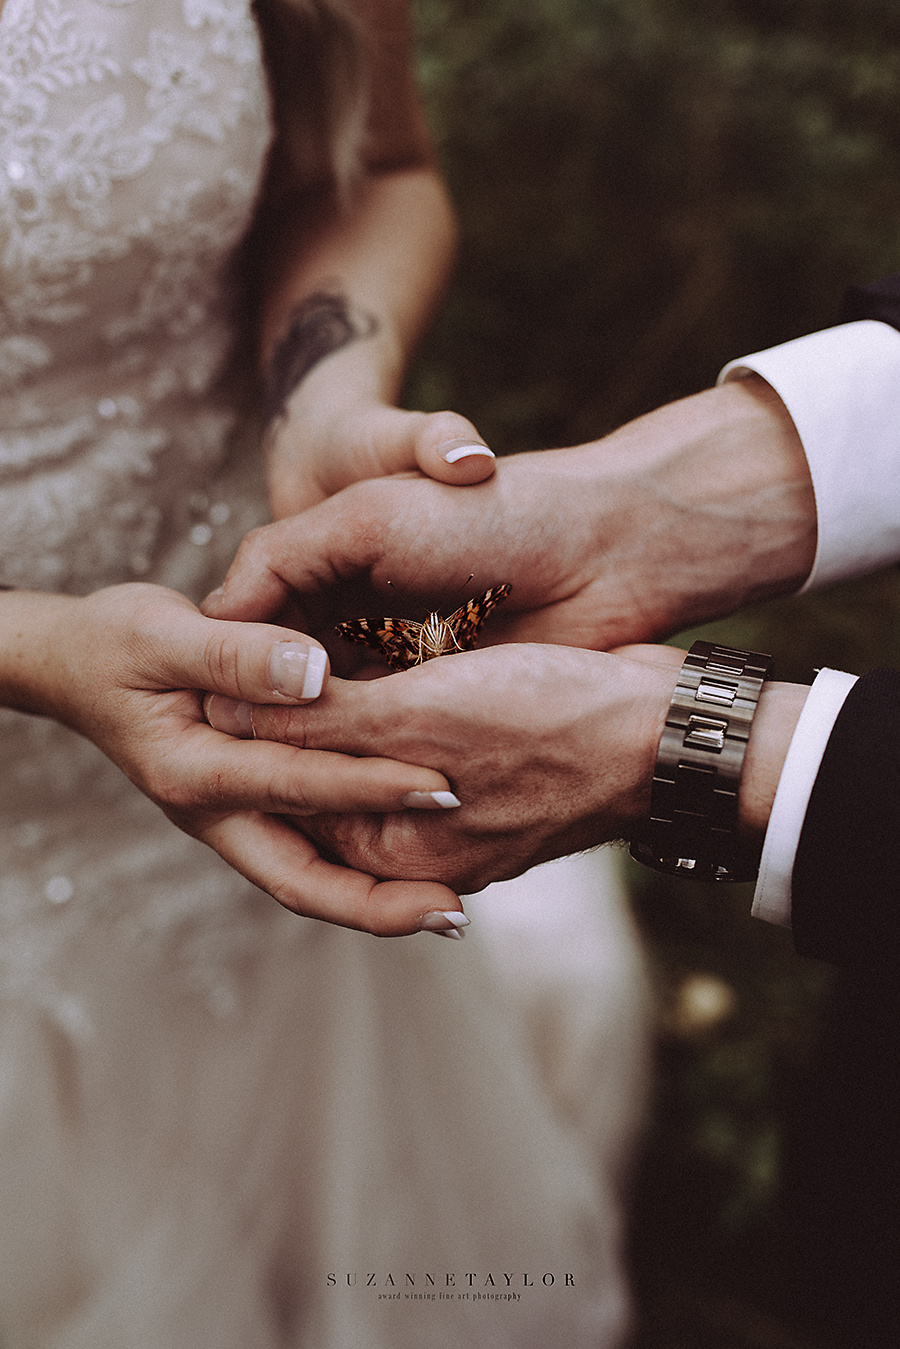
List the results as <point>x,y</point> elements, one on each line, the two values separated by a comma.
<point>319,446</point>
<point>124,666</point>
<point>550,750</point>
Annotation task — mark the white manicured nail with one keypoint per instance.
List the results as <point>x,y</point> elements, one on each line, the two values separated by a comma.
<point>296,670</point>
<point>431,801</point>
<point>444,924</point>
<point>455,452</point>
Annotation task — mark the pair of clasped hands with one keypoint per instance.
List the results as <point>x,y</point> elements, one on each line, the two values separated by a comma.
<point>375,802</point>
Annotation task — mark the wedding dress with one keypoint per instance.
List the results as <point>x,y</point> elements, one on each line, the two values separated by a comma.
<point>223,1126</point>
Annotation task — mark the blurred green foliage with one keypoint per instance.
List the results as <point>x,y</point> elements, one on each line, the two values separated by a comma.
<point>646,189</point>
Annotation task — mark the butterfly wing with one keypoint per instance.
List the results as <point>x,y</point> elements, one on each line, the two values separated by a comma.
<point>468,619</point>
<point>397,639</point>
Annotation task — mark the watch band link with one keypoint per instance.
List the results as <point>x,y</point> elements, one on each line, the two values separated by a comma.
<point>692,830</point>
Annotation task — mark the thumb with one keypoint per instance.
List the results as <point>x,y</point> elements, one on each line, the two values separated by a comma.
<point>442,445</point>
<point>263,665</point>
<point>256,662</point>
<point>449,449</point>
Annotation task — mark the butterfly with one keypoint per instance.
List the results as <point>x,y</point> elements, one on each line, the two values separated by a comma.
<point>404,643</point>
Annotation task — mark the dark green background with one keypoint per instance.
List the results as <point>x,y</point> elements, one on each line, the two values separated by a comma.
<point>646,189</point>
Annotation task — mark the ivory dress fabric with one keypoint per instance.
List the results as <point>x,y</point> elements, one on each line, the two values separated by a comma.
<point>221,1125</point>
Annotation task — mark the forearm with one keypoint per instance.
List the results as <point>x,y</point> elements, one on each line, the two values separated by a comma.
<point>702,506</point>
<point>385,260</point>
<point>343,313</point>
<point>33,628</point>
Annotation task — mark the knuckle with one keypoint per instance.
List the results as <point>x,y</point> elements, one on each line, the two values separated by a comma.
<point>409,850</point>
<point>252,555</point>
<point>285,725</point>
<point>289,895</point>
<point>169,790</point>
<point>252,543</point>
<point>220,657</point>
<point>289,797</point>
<point>443,425</point>
<point>143,622</point>
<point>380,924</point>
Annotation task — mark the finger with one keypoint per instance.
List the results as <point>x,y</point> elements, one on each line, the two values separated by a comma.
<point>254,662</point>
<point>448,448</point>
<point>287,866</point>
<point>342,724</point>
<point>413,522</point>
<point>281,779</point>
<point>270,566</point>
<point>443,445</point>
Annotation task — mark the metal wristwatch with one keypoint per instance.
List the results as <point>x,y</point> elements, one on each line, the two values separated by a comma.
<point>692,830</point>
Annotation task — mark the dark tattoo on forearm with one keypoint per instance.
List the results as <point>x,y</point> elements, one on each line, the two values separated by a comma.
<point>320,325</point>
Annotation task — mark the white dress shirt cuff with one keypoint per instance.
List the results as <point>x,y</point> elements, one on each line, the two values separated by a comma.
<point>772,898</point>
<point>842,389</point>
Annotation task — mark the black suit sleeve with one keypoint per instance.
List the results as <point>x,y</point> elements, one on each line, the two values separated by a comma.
<point>845,904</point>
<point>877,300</point>
<point>843,1176</point>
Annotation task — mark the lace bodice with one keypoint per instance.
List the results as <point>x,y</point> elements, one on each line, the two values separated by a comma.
<point>133,135</point>
<point>132,139</point>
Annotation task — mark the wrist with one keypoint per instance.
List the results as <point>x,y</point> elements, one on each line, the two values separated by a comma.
<point>694,826</point>
<point>32,635</point>
<point>779,711</point>
<point>327,347</point>
<point>317,430</point>
<point>647,686</point>
<point>705,505</point>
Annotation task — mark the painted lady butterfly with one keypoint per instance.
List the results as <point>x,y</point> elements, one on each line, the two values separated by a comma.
<point>404,643</point>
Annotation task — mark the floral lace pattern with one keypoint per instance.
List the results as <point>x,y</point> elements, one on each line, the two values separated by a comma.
<point>133,134</point>
<point>132,139</point>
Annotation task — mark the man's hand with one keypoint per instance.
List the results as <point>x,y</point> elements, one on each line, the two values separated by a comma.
<point>684,515</point>
<point>550,750</point>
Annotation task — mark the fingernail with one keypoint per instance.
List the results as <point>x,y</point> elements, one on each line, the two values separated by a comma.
<point>229,716</point>
<point>444,924</point>
<point>431,801</point>
<point>213,599</point>
<point>454,450</point>
<point>296,670</point>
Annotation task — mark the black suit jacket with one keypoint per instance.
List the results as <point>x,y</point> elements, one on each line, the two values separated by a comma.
<point>843,1177</point>
<point>846,882</point>
<point>845,902</point>
<point>844,1173</point>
